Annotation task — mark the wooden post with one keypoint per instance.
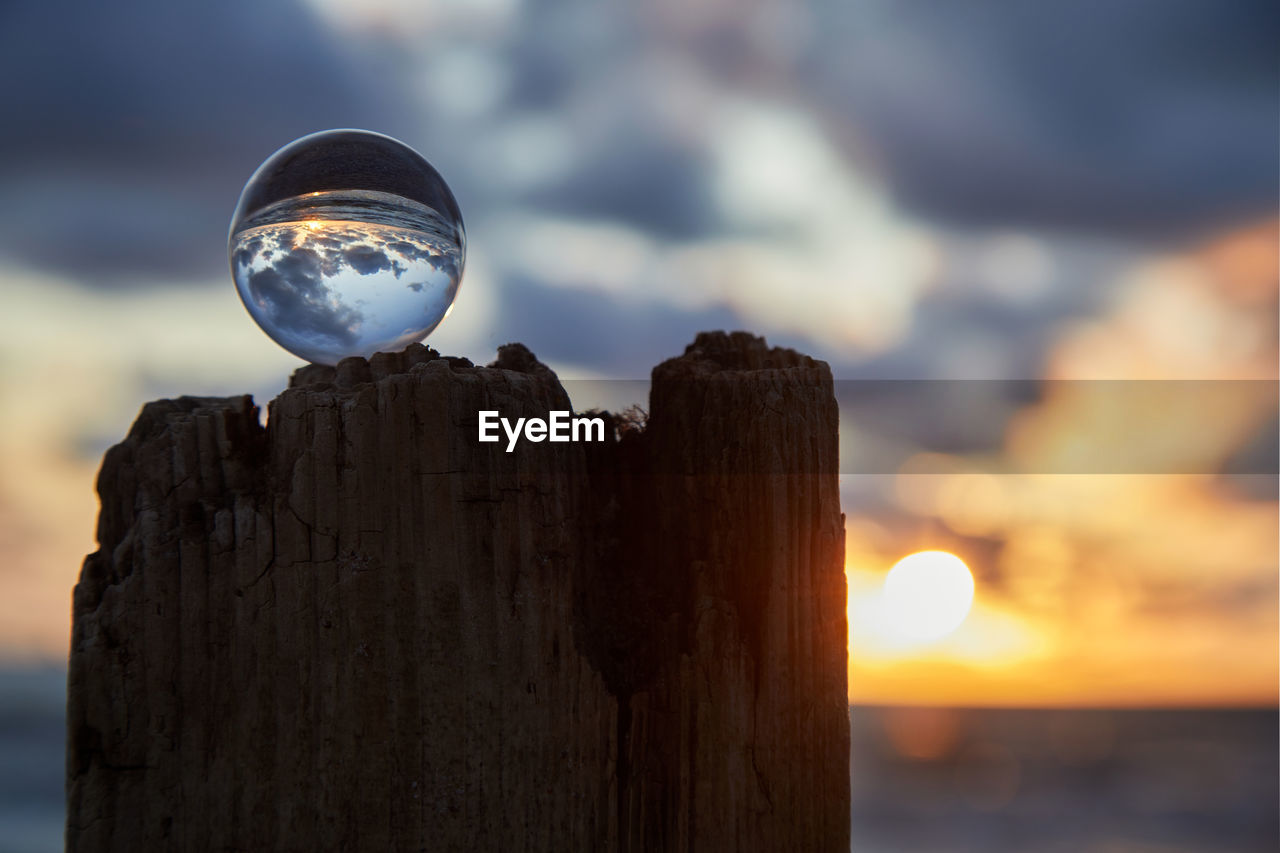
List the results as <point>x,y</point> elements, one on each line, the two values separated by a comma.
<point>361,629</point>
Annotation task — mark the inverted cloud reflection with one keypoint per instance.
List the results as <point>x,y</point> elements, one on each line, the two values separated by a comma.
<point>324,290</point>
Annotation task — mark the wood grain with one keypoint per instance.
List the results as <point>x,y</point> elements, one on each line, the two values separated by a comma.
<point>358,628</point>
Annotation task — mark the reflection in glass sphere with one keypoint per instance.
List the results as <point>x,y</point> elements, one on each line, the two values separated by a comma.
<point>346,243</point>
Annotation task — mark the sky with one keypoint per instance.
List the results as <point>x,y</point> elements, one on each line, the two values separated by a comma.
<point>1063,193</point>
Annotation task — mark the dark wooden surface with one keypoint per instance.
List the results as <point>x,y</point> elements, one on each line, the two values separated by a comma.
<point>361,629</point>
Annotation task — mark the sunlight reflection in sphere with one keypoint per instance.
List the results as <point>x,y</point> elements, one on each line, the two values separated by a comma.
<point>346,243</point>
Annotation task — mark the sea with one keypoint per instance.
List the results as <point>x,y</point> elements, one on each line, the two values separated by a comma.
<point>924,780</point>
<point>1065,781</point>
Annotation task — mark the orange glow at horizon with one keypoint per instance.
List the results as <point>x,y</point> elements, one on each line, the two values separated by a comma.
<point>1115,591</point>
<point>1120,590</point>
<point>984,644</point>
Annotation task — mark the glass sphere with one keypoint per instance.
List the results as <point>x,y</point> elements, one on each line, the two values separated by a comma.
<point>344,243</point>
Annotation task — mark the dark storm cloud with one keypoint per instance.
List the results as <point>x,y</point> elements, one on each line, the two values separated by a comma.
<point>367,260</point>
<point>564,46</point>
<point>637,179</point>
<point>445,265</point>
<point>300,263</point>
<point>1133,118</point>
<point>388,254</point>
<point>374,254</point>
<point>411,251</point>
<point>288,272</point>
<point>629,169</point>
<point>134,125</point>
<point>1143,116</point>
<point>298,301</point>
<point>587,327</point>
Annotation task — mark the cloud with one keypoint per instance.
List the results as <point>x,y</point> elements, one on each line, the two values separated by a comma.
<point>591,328</point>
<point>367,260</point>
<point>299,306</point>
<point>302,283</point>
<point>637,178</point>
<point>1136,118</point>
<point>135,125</point>
<point>1143,116</point>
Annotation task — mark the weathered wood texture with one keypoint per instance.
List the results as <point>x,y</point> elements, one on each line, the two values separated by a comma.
<point>361,629</point>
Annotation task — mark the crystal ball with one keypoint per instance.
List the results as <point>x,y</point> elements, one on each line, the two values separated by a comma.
<point>344,243</point>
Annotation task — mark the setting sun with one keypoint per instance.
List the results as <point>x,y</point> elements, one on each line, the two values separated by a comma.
<point>926,596</point>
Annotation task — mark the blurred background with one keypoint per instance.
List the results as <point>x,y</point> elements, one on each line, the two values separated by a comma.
<point>1079,198</point>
